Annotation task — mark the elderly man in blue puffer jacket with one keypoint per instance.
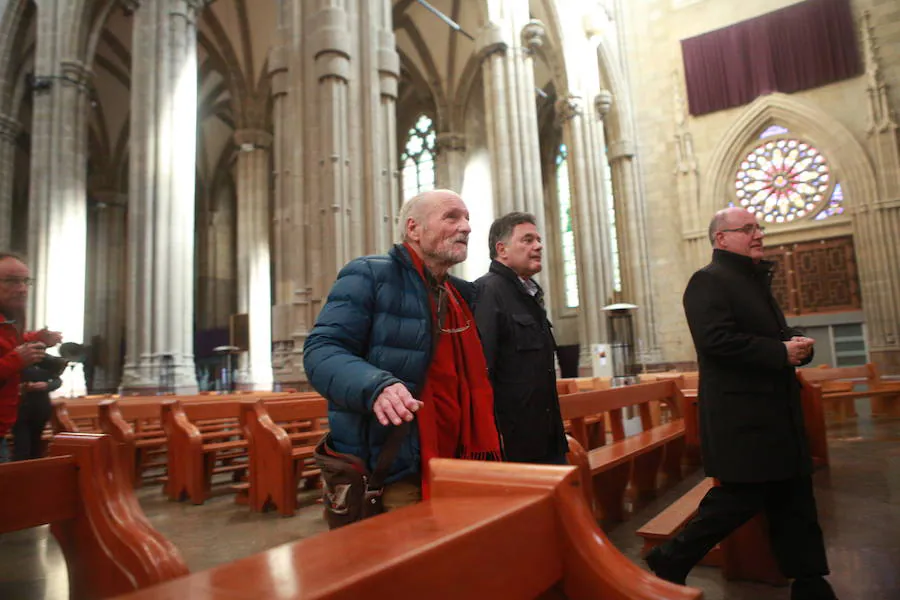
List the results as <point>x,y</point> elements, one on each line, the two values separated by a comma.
<point>384,328</point>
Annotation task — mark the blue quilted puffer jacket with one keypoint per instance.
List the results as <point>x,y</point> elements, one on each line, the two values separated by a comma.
<point>374,331</point>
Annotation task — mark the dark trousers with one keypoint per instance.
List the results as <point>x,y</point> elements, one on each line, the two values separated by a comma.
<point>790,508</point>
<point>34,412</point>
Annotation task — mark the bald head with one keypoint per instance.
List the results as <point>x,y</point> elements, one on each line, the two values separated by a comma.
<point>417,209</point>
<point>736,230</point>
<point>435,225</point>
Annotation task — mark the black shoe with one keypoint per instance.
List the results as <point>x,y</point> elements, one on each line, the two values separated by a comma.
<point>812,588</point>
<point>662,567</point>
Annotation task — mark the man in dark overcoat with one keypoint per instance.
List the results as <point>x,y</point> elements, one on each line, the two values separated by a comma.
<point>752,435</point>
<point>519,345</point>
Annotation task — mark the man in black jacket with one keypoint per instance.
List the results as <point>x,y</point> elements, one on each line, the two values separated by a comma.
<point>519,345</point>
<point>751,420</point>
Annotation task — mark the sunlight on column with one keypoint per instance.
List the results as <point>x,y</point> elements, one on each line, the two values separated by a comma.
<point>65,285</point>
<point>260,309</point>
<point>478,194</point>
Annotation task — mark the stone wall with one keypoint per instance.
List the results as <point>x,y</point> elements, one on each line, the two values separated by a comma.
<point>674,182</point>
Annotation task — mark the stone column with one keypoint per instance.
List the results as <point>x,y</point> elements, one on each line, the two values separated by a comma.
<point>583,136</point>
<point>162,195</point>
<point>450,164</point>
<point>106,292</point>
<point>511,117</point>
<point>283,220</point>
<point>254,264</point>
<point>631,226</point>
<point>380,73</point>
<point>9,130</point>
<point>879,260</point>
<point>57,240</point>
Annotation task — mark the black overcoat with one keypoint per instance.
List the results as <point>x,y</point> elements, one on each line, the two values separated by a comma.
<point>519,348</point>
<point>751,418</point>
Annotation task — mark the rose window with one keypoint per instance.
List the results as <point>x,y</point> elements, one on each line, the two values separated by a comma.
<point>783,180</point>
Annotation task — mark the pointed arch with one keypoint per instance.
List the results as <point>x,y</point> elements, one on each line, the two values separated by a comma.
<point>806,120</point>
<point>17,15</point>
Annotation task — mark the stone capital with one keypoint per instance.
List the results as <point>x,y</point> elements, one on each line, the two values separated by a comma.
<point>533,35</point>
<point>603,103</point>
<point>568,107</point>
<point>449,141</point>
<point>490,40</point>
<point>249,140</point>
<point>74,72</point>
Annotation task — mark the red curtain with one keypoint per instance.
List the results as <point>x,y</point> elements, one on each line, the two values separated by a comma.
<point>796,48</point>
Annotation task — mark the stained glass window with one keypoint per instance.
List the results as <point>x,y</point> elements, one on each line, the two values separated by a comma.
<point>570,264</point>
<point>782,180</point>
<point>417,160</point>
<point>773,130</point>
<point>835,204</point>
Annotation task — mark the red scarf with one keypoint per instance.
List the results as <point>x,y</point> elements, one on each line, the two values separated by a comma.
<point>457,416</point>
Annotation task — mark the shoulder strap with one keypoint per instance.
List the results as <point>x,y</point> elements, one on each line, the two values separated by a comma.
<point>388,453</point>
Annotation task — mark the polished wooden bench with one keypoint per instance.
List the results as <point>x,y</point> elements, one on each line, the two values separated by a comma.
<point>193,455</point>
<point>281,437</point>
<point>637,458</point>
<point>109,546</point>
<point>839,389</point>
<point>490,530</point>
<point>134,423</point>
<point>744,555</point>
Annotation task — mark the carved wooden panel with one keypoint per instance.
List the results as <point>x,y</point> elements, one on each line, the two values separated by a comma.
<point>780,284</point>
<point>816,277</point>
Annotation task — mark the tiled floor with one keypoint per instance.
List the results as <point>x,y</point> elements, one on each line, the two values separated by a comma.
<point>859,506</point>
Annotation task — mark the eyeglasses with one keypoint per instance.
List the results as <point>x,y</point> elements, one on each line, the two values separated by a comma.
<point>443,297</point>
<point>748,229</point>
<point>457,329</point>
<point>14,281</point>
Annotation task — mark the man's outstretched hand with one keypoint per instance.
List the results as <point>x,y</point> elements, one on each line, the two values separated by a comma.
<point>395,405</point>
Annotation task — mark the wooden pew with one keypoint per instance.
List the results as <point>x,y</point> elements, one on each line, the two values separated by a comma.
<point>636,458</point>
<point>490,530</point>
<point>281,437</point>
<point>109,546</point>
<point>744,555</point>
<point>193,455</point>
<point>690,412</point>
<point>838,389</point>
<point>134,423</point>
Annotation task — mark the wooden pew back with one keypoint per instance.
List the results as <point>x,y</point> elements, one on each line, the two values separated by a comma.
<point>109,546</point>
<point>490,530</point>
<point>281,437</point>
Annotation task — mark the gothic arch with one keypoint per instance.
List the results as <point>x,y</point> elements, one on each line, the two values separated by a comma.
<point>806,120</point>
<point>12,21</point>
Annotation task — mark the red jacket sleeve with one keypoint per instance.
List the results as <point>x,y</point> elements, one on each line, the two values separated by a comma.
<point>10,364</point>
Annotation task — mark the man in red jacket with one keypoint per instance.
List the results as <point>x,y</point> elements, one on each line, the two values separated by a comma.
<point>17,351</point>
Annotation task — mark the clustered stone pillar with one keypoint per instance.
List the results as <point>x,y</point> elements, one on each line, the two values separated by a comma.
<point>107,250</point>
<point>162,196</point>
<point>380,66</point>
<point>451,160</point>
<point>875,225</point>
<point>9,129</point>
<point>584,137</point>
<point>254,263</point>
<point>631,225</point>
<point>57,240</point>
<point>511,114</point>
